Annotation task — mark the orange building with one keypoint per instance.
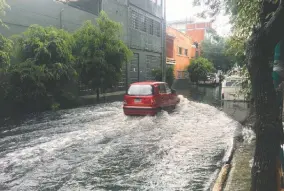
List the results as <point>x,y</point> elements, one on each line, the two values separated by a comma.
<point>179,52</point>
<point>197,31</point>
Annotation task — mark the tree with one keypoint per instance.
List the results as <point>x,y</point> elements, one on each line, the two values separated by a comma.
<point>3,7</point>
<point>261,23</point>
<point>170,76</point>
<point>157,74</point>
<point>5,52</point>
<point>215,51</point>
<point>235,49</point>
<point>101,53</point>
<point>199,69</point>
<point>42,68</point>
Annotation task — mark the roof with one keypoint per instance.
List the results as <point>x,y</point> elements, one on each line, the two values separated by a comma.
<point>184,34</point>
<point>147,83</point>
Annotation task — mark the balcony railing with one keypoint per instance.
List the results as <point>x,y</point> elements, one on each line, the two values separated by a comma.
<point>171,61</point>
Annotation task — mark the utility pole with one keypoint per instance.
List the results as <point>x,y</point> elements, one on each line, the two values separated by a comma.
<point>164,49</point>
<point>128,44</point>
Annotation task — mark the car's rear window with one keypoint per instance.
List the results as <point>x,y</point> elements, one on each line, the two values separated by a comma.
<point>140,90</point>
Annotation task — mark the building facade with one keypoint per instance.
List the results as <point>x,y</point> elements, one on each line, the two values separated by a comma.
<point>198,31</point>
<point>142,22</point>
<point>181,24</point>
<point>179,52</point>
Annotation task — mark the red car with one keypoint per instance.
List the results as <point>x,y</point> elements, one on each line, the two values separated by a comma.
<point>148,98</point>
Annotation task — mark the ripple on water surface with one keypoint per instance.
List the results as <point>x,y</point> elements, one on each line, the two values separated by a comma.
<point>98,148</point>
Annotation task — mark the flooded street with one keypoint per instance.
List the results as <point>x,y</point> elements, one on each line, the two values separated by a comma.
<point>98,148</point>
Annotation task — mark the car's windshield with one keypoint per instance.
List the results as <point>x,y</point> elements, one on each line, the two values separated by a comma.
<point>234,83</point>
<point>140,90</point>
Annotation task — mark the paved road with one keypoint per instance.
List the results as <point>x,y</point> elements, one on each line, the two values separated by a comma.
<point>98,148</point>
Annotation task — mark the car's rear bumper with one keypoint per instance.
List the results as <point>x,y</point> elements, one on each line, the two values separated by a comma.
<point>134,110</point>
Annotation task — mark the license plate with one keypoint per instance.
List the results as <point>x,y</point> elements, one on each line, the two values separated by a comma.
<point>137,100</point>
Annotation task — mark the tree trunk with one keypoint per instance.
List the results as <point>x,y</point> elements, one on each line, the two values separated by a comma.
<point>268,126</point>
<point>98,95</point>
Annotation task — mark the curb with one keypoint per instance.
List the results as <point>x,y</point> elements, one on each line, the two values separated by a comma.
<point>222,177</point>
<point>221,180</point>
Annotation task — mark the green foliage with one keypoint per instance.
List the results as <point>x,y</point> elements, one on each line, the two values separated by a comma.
<point>5,51</point>
<point>235,49</point>
<point>246,83</point>
<point>55,106</point>
<point>3,7</point>
<point>170,76</point>
<point>215,52</point>
<point>42,69</point>
<point>199,69</point>
<point>244,13</point>
<point>157,74</point>
<point>100,53</point>
<point>39,68</point>
<point>45,46</point>
<point>48,51</point>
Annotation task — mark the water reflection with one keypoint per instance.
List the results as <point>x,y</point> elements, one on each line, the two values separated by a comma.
<point>212,96</point>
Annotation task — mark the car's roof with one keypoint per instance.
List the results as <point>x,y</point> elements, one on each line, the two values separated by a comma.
<point>147,83</point>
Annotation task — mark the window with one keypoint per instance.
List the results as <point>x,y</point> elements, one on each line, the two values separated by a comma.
<point>168,90</point>
<point>179,50</point>
<point>158,29</point>
<point>143,23</point>
<point>140,90</point>
<point>91,6</point>
<point>151,26</point>
<point>230,83</point>
<point>186,52</point>
<point>162,89</point>
<point>135,20</point>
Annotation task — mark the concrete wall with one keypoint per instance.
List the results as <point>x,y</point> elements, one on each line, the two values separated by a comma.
<point>145,38</point>
<point>149,6</point>
<point>57,14</point>
<point>44,13</point>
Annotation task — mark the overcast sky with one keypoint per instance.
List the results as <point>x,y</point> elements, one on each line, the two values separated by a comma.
<point>182,9</point>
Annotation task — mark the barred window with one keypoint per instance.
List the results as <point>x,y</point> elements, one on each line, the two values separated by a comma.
<point>157,28</point>
<point>151,26</point>
<point>135,20</point>
<point>143,23</point>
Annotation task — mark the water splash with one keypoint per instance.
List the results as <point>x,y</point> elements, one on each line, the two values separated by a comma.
<point>98,148</point>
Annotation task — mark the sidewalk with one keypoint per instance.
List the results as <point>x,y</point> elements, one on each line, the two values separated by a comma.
<point>239,178</point>
<point>107,97</point>
<point>102,96</point>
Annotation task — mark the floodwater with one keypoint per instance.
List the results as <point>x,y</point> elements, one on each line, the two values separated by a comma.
<point>98,148</point>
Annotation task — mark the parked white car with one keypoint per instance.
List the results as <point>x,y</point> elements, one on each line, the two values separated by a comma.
<point>231,89</point>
